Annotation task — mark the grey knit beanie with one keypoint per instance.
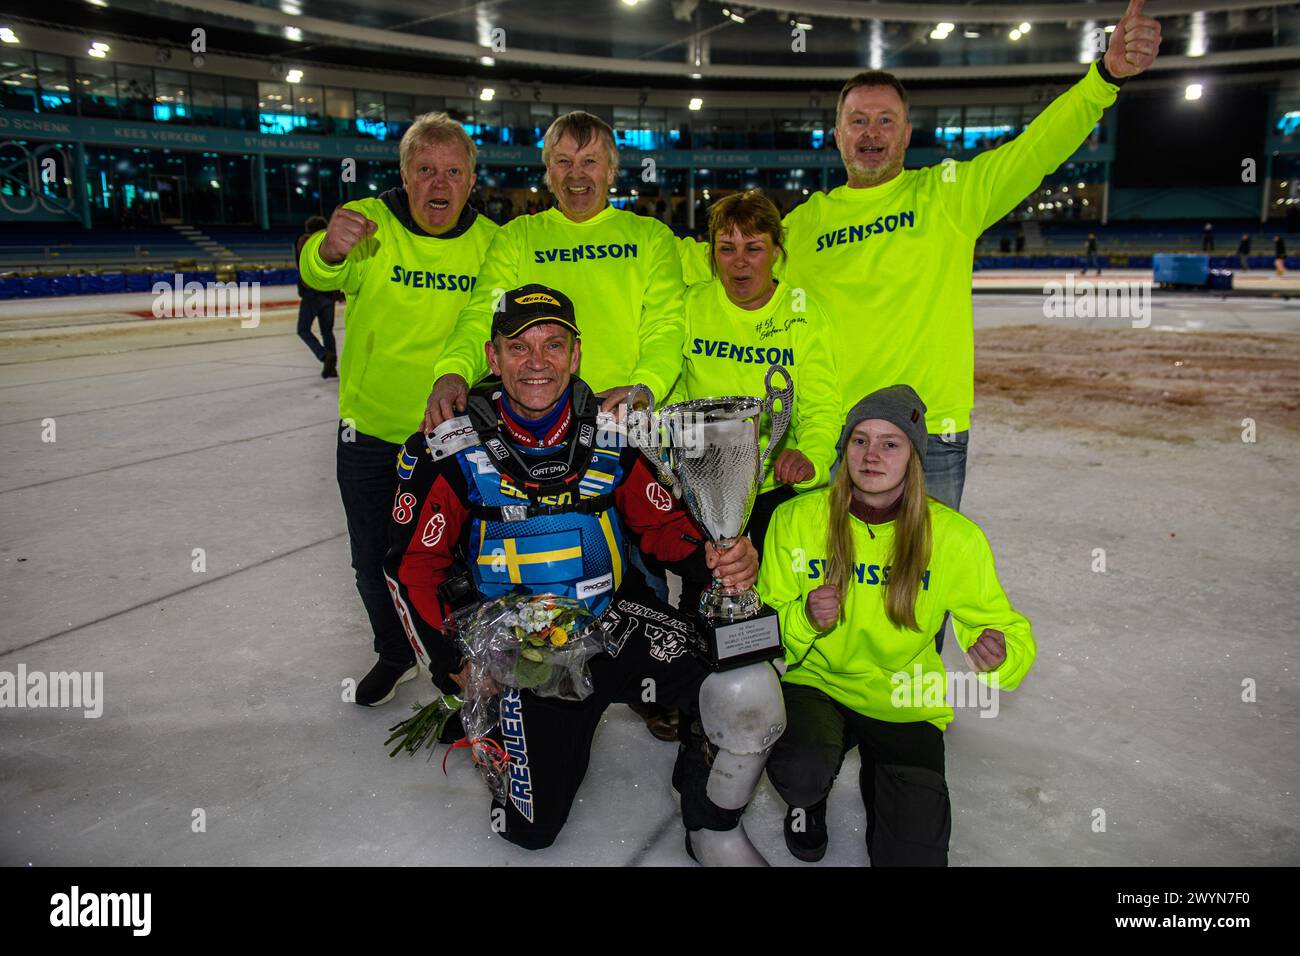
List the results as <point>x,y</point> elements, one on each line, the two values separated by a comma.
<point>899,405</point>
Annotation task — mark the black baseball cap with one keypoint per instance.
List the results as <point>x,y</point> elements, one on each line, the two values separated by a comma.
<point>528,305</point>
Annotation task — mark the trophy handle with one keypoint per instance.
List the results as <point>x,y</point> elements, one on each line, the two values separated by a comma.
<point>780,420</point>
<point>642,423</point>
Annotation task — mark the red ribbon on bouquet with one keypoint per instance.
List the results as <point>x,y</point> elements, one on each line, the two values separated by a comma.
<point>497,759</point>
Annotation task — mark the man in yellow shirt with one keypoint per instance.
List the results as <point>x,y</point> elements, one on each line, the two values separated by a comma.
<point>407,260</point>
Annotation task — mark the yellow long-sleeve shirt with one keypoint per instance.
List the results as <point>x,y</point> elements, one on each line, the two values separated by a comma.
<point>728,351</point>
<point>856,662</point>
<point>622,272</point>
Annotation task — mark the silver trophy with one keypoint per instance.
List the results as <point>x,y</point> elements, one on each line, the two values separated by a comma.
<point>707,451</point>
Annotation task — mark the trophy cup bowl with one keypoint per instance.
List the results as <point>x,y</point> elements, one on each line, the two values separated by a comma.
<point>708,451</point>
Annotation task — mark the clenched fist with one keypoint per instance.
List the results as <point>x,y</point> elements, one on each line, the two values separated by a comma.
<point>824,607</point>
<point>346,228</point>
<point>793,466</point>
<point>989,651</point>
<point>1134,44</point>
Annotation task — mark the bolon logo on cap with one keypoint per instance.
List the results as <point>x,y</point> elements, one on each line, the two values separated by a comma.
<point>532,297</point>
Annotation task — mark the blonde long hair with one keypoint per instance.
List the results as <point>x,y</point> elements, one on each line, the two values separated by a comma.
<point>909,555</point>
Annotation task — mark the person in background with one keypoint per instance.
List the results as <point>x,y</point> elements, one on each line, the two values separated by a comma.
<point>1243,252</point>
<point>1207,237</point>
<point>1091,262</point>
<point>1279,255</point>
<point>316,306</point>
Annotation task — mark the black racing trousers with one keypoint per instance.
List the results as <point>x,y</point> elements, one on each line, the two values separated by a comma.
<point>551,740</point>
<point>909,816</point>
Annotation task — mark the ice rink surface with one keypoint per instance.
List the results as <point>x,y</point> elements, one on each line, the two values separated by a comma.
<point>222,689</point>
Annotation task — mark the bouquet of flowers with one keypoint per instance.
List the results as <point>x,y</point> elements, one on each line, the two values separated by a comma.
<point>534,641</point>
<point>541,642</point>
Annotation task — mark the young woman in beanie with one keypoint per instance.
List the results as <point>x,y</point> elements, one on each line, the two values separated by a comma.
<point>861,574</point>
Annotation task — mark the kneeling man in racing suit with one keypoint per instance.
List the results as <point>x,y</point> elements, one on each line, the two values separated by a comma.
<point>527,493</point>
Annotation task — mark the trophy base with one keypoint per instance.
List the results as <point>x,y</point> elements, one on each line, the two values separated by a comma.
<point>724,644</point>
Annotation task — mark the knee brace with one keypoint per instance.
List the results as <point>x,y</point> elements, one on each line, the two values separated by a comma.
<point>743,714</point>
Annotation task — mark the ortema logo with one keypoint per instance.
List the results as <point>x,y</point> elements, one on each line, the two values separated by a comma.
<point>103,909</point>
<point>512,735</point>
<point>537,297</point>
<point>550,468</point>
<point>82,689</point>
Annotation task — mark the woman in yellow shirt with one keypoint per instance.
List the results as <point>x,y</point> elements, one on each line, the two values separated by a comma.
<point>861,575</point>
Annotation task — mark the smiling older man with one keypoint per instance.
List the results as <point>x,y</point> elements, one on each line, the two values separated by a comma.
<point>621,269</point>
<point>408,261</point>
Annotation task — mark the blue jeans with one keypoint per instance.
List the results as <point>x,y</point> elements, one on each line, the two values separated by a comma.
<point>945,476</point>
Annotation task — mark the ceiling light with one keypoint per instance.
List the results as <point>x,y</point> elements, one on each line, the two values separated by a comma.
<point>293,76</point>
<point>487,94</point>
<point>1024,27</point>
<point>1193,91</point>
<point>695,103</point>
<point>293,33</point>
<point>1015,35</point>
<point>487,61</point>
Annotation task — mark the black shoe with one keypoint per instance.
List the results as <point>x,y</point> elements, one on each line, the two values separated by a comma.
<point>809,842</point>
<point>380,685</point>
<point>661,721</point>
<point>329,368</point>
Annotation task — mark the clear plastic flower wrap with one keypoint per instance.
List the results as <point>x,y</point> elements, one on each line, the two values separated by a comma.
<point>538,642</point>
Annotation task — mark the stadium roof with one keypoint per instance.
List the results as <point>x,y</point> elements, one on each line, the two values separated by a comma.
<point>678,42</point>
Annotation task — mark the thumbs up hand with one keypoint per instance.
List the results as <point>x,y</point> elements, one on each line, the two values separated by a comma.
<point>1134,44</point>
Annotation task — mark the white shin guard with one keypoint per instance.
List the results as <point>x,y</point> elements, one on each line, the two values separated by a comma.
<point>725,848</point>
<point>743,715</point>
